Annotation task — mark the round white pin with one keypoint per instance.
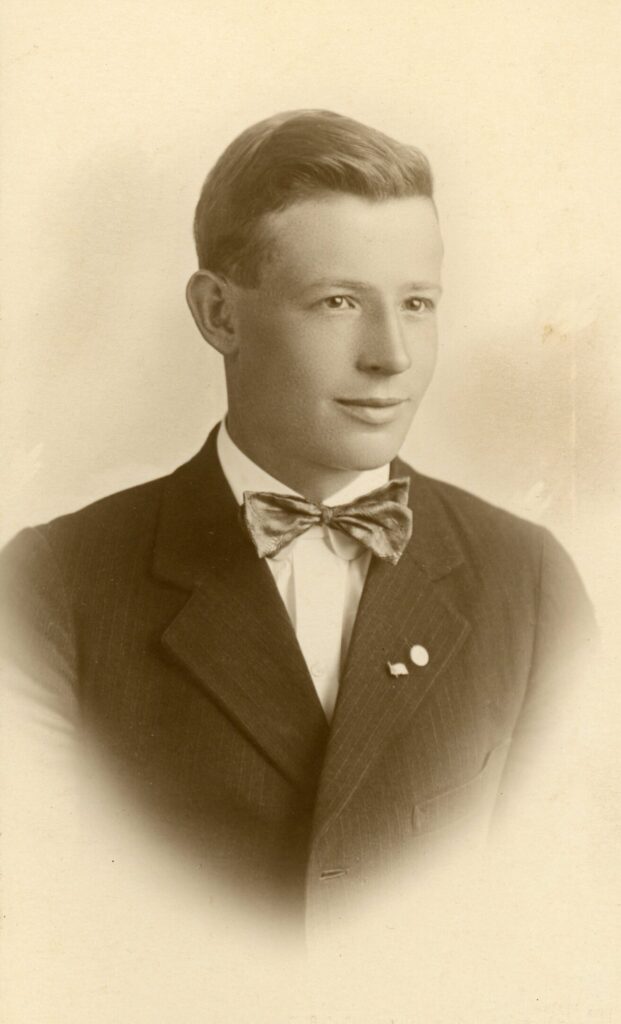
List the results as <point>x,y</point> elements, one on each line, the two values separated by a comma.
<point>419,655</point>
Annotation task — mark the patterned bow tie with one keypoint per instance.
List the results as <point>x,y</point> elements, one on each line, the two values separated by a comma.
<point>381,520</point>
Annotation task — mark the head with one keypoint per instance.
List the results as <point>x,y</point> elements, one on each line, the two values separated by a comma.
<point>320,255</point>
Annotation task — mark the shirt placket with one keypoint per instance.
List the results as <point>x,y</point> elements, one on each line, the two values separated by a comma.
<point>320,583</point>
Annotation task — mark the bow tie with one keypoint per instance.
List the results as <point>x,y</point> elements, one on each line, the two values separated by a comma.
<point>380,520</point>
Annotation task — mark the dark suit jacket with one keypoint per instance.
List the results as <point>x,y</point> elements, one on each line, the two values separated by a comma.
<point>153,607</point>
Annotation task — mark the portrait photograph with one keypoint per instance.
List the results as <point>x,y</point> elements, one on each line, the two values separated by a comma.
<point>308,547</point>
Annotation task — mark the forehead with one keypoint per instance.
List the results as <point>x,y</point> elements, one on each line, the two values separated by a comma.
<point>349,236</point>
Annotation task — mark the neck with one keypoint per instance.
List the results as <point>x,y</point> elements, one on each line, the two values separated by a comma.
<point>316,483</point>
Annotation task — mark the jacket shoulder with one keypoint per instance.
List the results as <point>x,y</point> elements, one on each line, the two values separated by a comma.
<point>127,511</point>
<point>509,547</point>
<point>124,518</point>
<point>80,551</point>
<point>479,525</point>
<point>467,507</point>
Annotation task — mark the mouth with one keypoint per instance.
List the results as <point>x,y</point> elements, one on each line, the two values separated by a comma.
<point>372,403</point>
<point>372,410</point>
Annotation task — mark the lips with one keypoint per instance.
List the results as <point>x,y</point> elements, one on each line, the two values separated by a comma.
<point>375,411</point>
<point>372,403</point>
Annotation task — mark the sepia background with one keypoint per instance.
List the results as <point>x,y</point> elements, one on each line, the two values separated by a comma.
<point>112,115</point>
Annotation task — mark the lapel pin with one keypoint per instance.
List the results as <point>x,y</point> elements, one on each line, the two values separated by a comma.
<point>397,669</point>
<point>419,655</point>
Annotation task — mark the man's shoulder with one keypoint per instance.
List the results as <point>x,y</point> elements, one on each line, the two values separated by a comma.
<point>110,530</point>
<point>117,535</point>
<point>125,516</point>
<point>473,520</point>
<point>510,558</point>
<point>129,514</point>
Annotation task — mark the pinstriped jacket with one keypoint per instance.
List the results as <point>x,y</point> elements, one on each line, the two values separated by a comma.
<point>152,608</point>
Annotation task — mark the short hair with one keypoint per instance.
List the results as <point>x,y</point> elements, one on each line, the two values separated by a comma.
<point>287,158</point>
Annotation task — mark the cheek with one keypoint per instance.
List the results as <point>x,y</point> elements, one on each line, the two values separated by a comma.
<point>302,360</point>
<point>424,354</point>
<point>263,354</point>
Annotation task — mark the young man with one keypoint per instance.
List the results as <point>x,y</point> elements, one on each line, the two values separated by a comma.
<point>304,657</point>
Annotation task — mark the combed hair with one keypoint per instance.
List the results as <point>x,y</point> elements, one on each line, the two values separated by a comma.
<point>290,157</point>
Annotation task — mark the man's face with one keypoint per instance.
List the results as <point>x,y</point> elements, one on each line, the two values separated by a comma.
<point>336,346</point>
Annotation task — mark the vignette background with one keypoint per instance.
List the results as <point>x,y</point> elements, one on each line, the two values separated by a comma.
<point>113,115</point>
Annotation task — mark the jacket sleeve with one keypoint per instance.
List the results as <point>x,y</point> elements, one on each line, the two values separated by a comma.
<point>37,635</point>
<point>563,672</point>
<point>41,845</point>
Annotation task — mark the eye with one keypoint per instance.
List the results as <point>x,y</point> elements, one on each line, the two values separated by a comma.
<point>416,304</point>
<point>338,302</point>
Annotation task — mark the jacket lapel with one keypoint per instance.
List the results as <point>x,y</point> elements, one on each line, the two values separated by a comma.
<point>400,607</point>
<point>233,632</point>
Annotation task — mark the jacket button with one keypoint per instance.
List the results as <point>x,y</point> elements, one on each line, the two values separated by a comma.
<point>329,873</point>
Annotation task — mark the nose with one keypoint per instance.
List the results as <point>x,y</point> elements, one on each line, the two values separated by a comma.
<point>384,348</point>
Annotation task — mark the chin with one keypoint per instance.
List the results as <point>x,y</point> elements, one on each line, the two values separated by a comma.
<point>370,453</point>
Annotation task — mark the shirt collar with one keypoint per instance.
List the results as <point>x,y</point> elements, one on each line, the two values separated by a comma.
<point>242,474</point>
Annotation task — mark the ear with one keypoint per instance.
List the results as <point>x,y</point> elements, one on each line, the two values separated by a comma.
<point>209,299</point>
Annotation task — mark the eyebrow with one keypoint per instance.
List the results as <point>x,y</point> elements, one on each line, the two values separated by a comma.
<point>330,282</point>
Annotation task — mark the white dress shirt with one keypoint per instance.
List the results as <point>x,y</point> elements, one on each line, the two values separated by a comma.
<point>319,575</point>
